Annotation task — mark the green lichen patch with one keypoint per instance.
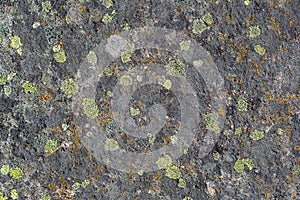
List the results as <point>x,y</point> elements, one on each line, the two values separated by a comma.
<point>239,165</point>
<point>85,183</point>
<point>134,111</point>
<point>4,169</point>
<point>14,194</point>
<point>46,6</point>
<point>260,50</point>
<point>207,18</point>
<point>216,156</point>
<point>50,146</point>
<point>242,103</point>
<point>28,87</point>
<point>249,163</point>
<point>107,18</point>
<point>69,87</point>
<point>164,162</point>
<point>3,197</point>
<point>90,108</point>
<point>3,79</point>
<point>45,197</point>
<point>167,84</point>
<point>199,26</point>
<point>15,173</point>
<point>181,183</point>
<point>107,3</point>
<point>173,172</point>
<point>92,58</point>
<point>212,122</point>
<point>15,42</point>
<point>254,31</point>
<point>185,45</point>
<point>280,131</point>
<point>127,53</point>
<point>60,56</point>
<point>247,2</point>
<point>126,80</point>
<point>238,131</point>
<point>56,48</point>
<point>257,135</point>
<point>175,68</point>
<point>111,145</point>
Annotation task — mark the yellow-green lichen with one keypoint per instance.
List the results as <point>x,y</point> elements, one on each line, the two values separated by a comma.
<point>76,185</point>
<point>173,172</point>
<point>239,165</point>
<point>3,197</point>
<point>175,68</point>
<point>3,79</point>
<point>238,131</point>
<point>126,27</point>
<point>69,87</point>
<point>139,78</point>
<point>46,6</point>
<point>50,146</point>
<point>254,31</point>
<point>7,90</point>
<point>111,145</point>
<point>92,58</point>
<point>28,87</point>
<point>187,198</point>
<point>164,162</point>
<point>15,173</point>
<point>249,163</point>
<point>185,151</point>
<point>181,183</point>
<point>280,131</point>
<point>174,139</point>
<point>127,53</point>
<point>134,111</point>
<point>207,18</point>
<point>60,56</point>
<point>242,103</point>
<point>257,135</point>
<point>260,50</point>
<point>185,45</point>
<point>107,18</point>
<point>126,80</point>
<point>199,26</point>
<point>107,3</point>
<point>247,2</point>
<point>15,42</point>
<point>216,156</point>
<point>56,48</point>
<point>35,25</point>
<point>45,197</point>
<point>4,169</point>
<point>85,183</point>
<point>212,122</point>
<point>167,84</point>
<point>14,194</point>
<point>90,108</point>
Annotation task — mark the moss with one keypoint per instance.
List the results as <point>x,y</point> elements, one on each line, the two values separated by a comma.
<point>107,18</point>
<point>212,122</point>
<point>175,68</point>
<point>239,165</point>
<point>92,58</point>
<point>50,146</point>
<point>60,56</point>
<point>257,135</point>
<point>15,173</point>
<point>14,194</point>
<point>90,108</point>
<point>199,26</point>
<point>164,162</point>
<point>111,145</point>
<point>249,163</point>
<point>207,18</point>
<point>260,50</point>
<point>28,87</point>
<point>15,42</point>
<point>242,103</point>
<point>185,45</point>
<point>238,131</point>
<point>46,6</point>
<point>181,183</point>
<point>173,172</point>
<point>254,31</point>
<point>4,169</point>
<point>69,87</point>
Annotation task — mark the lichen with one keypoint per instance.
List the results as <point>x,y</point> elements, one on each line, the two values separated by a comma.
<point>46,6</point>
<point>212,122</point>
<point>199,26</point>
<point>254,31</point>
<point>126,80</point>
<point>127,53</point>
<point>185,45</point>
<point>134,111</point>
<point>107,18</point>
<point>3,197</point>
<point>60,56</point>
<point>92,58</point>
<point>15,42</point>
<point>249,163</point>
<point>85,183</point>
<point>14,194</point>
<point>260,50</point>
<point>90,108</point>
<point>164,162</point>
<point>3,79</point>
<point>111,145</point>
<point>181,183</point>
<point>257,135</point>
<point>207,18</point>
<point>238,131</point>
<point>50,146</point>
<point>247,2</point>
<point>167,84</point>
<point>107,3</point>
<point>173,172</point>
<point>4,169</point>
<point>242,103</point>
<point>45,197</point>
<point>69,87</point>
<point>28,87</point>
<point>15,173</point>
<point>216,156</point>
<point>239,165</point>
<point>175,68</point>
